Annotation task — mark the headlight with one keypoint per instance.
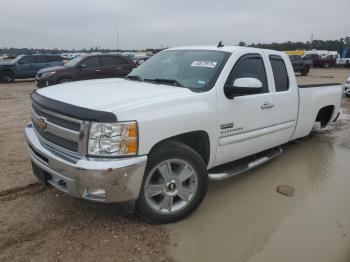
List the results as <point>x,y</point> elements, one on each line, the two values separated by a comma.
<point>113,139</point>
<point>46,74</point>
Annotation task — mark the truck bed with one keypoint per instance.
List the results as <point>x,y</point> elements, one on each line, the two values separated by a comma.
<point>312,98</point>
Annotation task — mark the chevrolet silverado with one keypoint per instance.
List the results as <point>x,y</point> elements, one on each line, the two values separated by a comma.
<point>152,141</point>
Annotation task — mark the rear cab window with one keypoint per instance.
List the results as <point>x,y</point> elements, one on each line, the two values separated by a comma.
<point>280,74</point>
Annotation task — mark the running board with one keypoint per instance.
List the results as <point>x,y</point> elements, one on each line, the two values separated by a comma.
<point>239,166</point>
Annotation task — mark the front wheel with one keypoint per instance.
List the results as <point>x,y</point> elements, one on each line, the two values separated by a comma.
<point>174,185</point>
<point>64,80</point>
<point>7,77</point>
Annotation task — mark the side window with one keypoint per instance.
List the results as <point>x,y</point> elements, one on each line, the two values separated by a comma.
<point>55,58</point>
<point>40,59</point>
<point>251,66</point>
<point>91,62</point>
<point>112,61</point>
<point>26,60</point>
<point>279,73</point>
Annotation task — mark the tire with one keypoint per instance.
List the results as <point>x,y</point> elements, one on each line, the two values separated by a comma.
<point>64,80</point>
<point>176,195</point>
<point>7,77</point>
<point>305,71</point>
<point>326,65</point>
<point>347,95</point>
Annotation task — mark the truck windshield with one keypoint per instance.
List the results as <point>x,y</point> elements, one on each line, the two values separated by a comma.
<point>194,69</point>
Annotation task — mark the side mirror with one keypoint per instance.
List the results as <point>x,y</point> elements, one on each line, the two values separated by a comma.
<point>244,86</point>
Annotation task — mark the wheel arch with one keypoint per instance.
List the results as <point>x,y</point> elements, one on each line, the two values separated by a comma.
<point>324,115</point>
<point>197,140</point>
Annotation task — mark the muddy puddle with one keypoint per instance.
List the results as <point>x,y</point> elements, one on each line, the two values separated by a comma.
<point>245,219</point>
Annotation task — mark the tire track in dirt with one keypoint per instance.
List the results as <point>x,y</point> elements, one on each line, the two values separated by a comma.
<point>17,192</point>
<point>18,235</point>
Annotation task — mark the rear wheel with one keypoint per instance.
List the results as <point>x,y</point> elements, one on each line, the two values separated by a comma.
<point>305,71</point>
<point>174,185</point>
<point>64,80</point>
<point>326,65</point>
<point>7,77</point>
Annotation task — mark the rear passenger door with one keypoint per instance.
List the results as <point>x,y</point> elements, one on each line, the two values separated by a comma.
<point>285,97</point>
<point>40,62</point>
<point>114,66</point>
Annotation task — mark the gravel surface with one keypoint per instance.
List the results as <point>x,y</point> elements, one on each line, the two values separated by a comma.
<point>41,224</point>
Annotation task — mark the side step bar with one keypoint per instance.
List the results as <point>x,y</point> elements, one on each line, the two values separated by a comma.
<point>239,166</point>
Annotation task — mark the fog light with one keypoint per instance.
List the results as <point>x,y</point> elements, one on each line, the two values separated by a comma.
<point>95,194</point>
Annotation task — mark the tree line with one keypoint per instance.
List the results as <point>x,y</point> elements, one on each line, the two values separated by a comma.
<point>331,45</point>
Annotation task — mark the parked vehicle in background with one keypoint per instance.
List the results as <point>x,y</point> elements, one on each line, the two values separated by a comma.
<point>26,66</point>
<point>153,139</point>
<point>322,61</point>
<point>139,60</point>
<point>300,65</point>
<point>345,62</point>
<point>86,67</point>
<point>347,87</point>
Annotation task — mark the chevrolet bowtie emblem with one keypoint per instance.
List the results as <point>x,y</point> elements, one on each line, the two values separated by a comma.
<point>42,124</point>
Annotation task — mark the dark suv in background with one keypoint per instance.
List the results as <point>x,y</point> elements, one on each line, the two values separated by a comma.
<point>26,66</point>
<point>319,61</point>
<point>86,67</point>
<point>300,65</point>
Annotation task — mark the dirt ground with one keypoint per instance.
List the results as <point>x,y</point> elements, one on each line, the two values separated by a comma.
<point>241,219</point>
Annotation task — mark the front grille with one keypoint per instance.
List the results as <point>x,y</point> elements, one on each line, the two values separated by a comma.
<point>57,129</point>
<point>62,142</point>
<point>58,121</point>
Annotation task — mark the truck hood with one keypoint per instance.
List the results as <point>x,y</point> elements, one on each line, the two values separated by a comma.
<point>111,94</point>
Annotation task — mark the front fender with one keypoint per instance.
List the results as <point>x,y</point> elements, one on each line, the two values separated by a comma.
<point>168,118</point>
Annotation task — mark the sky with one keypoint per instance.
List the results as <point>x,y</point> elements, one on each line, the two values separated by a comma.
<point>68,24</point>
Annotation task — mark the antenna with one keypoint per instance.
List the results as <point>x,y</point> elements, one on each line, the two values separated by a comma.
<point>220,44</point>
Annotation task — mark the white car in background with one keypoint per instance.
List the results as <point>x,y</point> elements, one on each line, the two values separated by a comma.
<point>347,87</point>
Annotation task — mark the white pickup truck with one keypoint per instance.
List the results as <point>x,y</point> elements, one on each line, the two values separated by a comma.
<point>151,141</point>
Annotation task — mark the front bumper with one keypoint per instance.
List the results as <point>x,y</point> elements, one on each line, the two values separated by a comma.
<point>102,180</point>
<point>42,82</point>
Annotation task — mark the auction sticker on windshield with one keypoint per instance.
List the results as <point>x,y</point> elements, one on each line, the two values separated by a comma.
<point>208,64</point>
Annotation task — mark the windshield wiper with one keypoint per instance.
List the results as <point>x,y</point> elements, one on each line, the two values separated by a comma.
<point>134,77</point>
<point>165,81</point>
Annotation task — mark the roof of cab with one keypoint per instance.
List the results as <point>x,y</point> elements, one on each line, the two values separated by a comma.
<point>228,48</point>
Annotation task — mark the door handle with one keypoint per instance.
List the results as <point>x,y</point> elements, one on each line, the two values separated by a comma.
<point>97,70</point>
<point>118,68</point>
<point>267,105</point>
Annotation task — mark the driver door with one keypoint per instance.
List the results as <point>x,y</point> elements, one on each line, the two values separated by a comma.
<point>245,121</point>
<point>25,67</point>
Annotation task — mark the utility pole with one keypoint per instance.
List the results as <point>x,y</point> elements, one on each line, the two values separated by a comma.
<point>311,40</point>
<point>116,30</point>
